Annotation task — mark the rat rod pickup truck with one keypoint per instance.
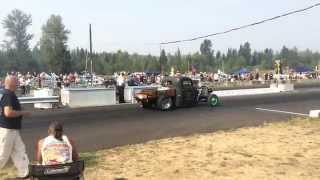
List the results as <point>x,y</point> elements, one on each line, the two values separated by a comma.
<point>176,92</point>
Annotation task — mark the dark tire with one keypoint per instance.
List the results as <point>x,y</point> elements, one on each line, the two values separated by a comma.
<point>213,100</point>
<point>146,105</point>
<point>164,103</point>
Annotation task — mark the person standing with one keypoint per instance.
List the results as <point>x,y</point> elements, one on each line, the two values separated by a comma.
<point>28,85</point>
<point>11,144</point>
<point>120,87</point>
<point>22,83</point>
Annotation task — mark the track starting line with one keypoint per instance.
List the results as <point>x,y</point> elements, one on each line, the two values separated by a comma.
<point>284,112</point>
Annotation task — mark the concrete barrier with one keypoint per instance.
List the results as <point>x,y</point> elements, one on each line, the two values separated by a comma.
<point>274,88</point>
<point>314,113</point>
<point>283,87</point>
<point>43,93</point>
<point>246,92</point>
<point>34,100</point>
<point>88,97</point>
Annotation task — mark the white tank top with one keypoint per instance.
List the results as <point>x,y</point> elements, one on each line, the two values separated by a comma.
<point>55,151</point>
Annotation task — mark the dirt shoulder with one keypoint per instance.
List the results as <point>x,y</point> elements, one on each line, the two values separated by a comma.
<point>289,150</point>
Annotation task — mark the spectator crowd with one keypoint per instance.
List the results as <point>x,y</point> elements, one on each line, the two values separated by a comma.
<point>29,81</point>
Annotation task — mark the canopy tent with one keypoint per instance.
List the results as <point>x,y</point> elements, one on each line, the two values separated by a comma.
<point>45,75</point>
<point>303,69</point>
<point>242,71</point>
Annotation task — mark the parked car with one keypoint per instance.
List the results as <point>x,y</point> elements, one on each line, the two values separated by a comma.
<point>175,92</point>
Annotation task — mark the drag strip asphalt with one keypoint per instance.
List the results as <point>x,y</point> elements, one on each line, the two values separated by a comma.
<point>107,127</point>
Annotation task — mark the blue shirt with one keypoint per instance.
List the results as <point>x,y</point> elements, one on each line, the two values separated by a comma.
<point>9,98</point>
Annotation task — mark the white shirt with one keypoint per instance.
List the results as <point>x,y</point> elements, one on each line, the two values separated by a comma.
<point>54,151</point>
<point>120,81</point>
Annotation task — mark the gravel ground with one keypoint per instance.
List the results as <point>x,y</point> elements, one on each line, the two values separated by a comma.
<point>288,150</point>
<point>276,151</point>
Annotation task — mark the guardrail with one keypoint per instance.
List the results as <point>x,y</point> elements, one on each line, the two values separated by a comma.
<point>34,100</point>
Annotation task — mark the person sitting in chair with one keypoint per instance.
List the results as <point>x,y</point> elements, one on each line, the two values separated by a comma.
<point>57,148</point>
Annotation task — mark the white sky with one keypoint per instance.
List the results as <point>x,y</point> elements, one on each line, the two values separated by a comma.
<point>135,25</point>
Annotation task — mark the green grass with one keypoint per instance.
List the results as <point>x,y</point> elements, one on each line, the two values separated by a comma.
<point>90,158</point>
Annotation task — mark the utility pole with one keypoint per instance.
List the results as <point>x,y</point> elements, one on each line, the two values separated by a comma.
<point>90,34</point>
<point>223,66</point>
<point>160,59</point>
<point>188,60</point>
<point>86,68</point>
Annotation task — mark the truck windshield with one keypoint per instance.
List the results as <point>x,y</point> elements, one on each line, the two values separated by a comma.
<point>167,83</point>
<point>186,84</point>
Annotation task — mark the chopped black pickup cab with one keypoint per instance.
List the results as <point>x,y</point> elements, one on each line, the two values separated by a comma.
<point>175,92</point>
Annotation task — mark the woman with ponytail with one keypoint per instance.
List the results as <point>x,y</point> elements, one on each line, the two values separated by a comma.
<point>57,148</point>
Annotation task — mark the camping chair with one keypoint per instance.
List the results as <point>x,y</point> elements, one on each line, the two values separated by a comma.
<point>70,171</point>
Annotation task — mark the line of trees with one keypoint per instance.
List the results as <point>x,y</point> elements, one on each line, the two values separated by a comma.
<point>51,53</point>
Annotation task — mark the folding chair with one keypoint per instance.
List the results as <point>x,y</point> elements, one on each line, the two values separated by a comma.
<point>70,171</point>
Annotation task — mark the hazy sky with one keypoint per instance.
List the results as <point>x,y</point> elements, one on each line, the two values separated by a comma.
<point>134,25</point>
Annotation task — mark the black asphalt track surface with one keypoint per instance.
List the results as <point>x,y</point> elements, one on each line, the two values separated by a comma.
<point>106,127</point>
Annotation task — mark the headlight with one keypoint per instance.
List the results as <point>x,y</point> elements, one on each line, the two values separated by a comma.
<point>141,96</point>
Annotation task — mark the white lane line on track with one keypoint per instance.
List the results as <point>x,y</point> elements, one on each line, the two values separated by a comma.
<point>284,112</point>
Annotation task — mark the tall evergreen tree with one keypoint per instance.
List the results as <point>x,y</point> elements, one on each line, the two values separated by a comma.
<point>53,45</point>
<point>245,52</point>
<point>163,60</point>
<point>16,25</point>
<point>206,48</point>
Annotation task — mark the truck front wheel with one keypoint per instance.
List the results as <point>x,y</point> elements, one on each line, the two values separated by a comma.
<point>213,100</point>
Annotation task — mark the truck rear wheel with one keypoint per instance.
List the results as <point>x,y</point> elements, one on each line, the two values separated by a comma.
<point>213,100</point>
<point>164,103</point>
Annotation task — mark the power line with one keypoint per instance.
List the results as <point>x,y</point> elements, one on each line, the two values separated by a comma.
<point>244,26</point>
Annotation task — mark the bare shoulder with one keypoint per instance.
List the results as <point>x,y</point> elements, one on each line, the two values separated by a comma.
<point>71,140</point>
